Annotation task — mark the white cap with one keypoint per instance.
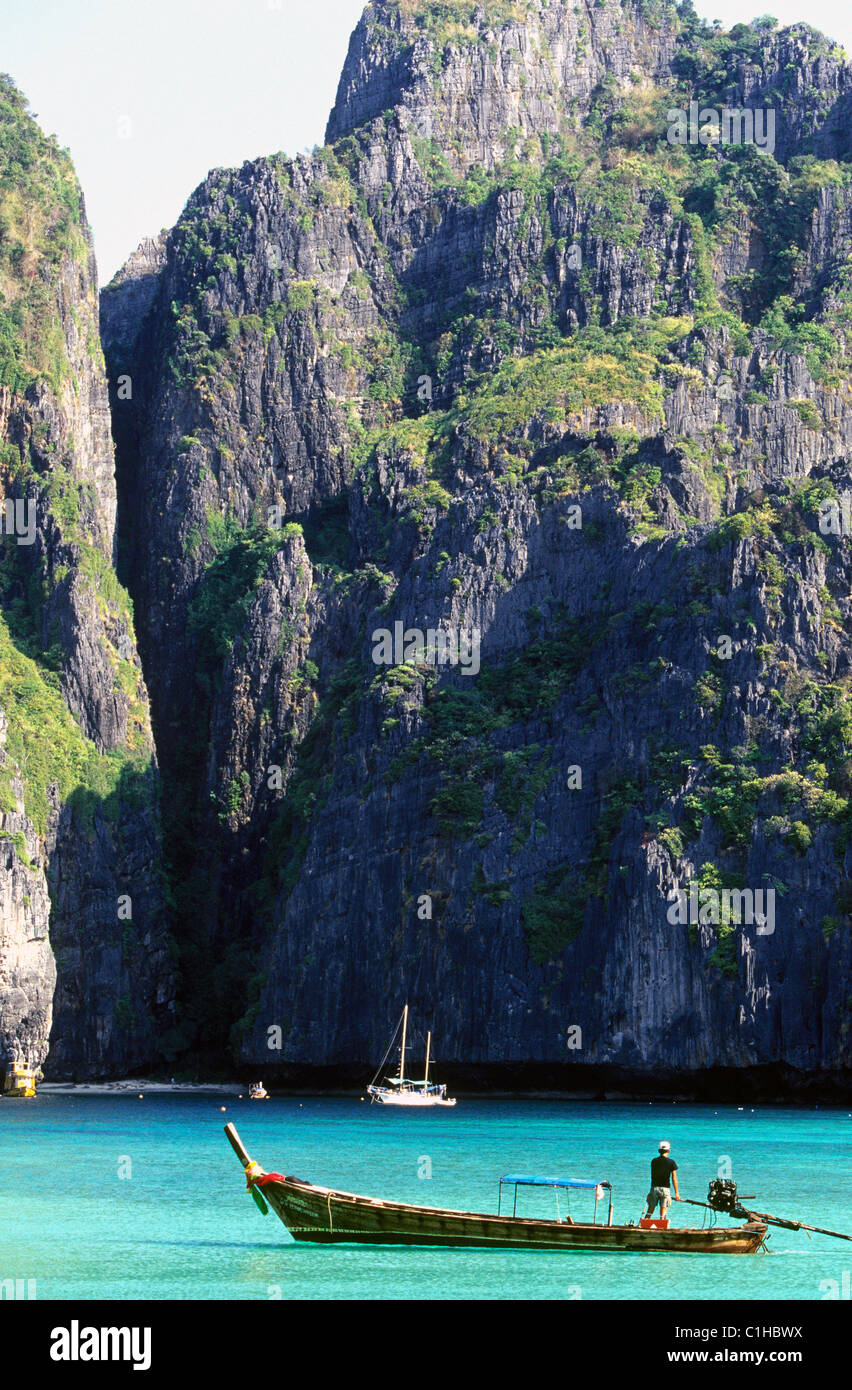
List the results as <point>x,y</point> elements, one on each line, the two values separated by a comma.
<point>664,1144</point>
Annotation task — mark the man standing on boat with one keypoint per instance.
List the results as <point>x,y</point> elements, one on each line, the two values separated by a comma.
<point>663,1172</point>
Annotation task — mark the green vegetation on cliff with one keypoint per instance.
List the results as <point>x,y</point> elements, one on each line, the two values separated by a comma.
<point>39,229</point>
<point>42,239</point>
<point>46,744</point>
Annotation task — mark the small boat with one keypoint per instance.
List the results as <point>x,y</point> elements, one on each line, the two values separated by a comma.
<point>327,1216</point>
<point>403,1090</point>
<point>20,1081</point>
<point>257,1091</point>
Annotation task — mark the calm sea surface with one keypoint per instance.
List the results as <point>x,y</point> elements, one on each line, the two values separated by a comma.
<point>180,1225</point>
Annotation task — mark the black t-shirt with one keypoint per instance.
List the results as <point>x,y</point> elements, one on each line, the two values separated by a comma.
<point>661,1171</point>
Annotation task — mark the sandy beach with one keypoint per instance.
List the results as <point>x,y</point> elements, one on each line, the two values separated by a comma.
<point>142,1087</point>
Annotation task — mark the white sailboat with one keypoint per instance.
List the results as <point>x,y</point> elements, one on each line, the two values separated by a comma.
<point>404,1090</point>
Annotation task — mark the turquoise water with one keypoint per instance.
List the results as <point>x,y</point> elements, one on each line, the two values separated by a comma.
<point>180,1225</point>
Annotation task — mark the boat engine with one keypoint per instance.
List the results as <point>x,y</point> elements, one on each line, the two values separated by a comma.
<point>722,1196</point>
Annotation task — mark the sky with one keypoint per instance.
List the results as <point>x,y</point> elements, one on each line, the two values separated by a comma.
<point>149,95</point>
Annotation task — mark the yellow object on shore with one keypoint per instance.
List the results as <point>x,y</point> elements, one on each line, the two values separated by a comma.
<point>19,1081</point>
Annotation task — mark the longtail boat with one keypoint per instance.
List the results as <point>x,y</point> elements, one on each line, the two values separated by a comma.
<point>324,1215</point>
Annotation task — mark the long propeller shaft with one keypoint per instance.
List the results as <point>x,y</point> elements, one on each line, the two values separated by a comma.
<point>772,1220</point>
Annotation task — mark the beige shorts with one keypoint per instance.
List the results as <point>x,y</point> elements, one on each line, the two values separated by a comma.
<point>659,1196</point>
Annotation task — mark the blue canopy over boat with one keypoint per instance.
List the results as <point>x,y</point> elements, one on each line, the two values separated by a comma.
<point>533,1181</point>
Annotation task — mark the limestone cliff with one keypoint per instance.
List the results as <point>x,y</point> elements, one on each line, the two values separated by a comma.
<point>502,356</point>
<point>27,968</point>
<point>506,356</point>
<point>80,794</point>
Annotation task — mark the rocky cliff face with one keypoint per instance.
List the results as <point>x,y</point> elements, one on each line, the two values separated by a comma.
<point>506,365</point>
<point>502,357</point>
<point>27,968</point>
<point>83,882</point>
<point>478,78</point>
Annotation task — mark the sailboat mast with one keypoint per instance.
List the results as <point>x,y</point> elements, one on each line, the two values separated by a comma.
<point>428,1042</point>
<point>402,1049</point>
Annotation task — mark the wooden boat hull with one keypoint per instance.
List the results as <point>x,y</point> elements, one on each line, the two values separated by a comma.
<point>329,1217</point>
